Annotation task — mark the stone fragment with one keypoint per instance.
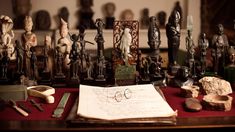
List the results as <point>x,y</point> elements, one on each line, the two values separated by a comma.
<point>215,85</point>
<point>193,104</point>
<point>189,91</point>
<point>217,102</point>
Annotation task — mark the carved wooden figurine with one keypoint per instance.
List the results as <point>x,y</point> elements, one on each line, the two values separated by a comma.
<point>125,44</point>
<point>4,65</point>
<point>99,37</point>
<point>7,35</point>
<point>63,43</point>
<point>173,36</point>
<point>220,48</point>
<point>203,45</point>
<point>74,60</point>
<point>29,40</point>
<point>33,65</point>
<point>19,50</point>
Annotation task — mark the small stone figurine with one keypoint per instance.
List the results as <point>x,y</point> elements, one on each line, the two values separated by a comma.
<point>101,69</point>
<point>99,37</point>
<point>29,40</point>
<point>7,33</point>
<point>89,67</point>
<point>33,65</point>
<point>74,62</point>
<point>125,44</point>
<point>4,64</point>
<point>63,43</point>
<point>190,46</point>
<point>59,62</point>
<point>220,48</point>
<point>83,53</point>
<point>46,49</point>
<point>203,45</point>
<point>19,50</point>
<point>109,12</point>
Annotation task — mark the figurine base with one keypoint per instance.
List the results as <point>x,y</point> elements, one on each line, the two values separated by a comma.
<point>174,69</point>
<point>4,81</point>
<point>59,81</point>
<point>125,75</point>
<point>74,83</point>
<point>46,79</point>
<point>100,81</point>
<point>156,77</point>
<point>144,81</point>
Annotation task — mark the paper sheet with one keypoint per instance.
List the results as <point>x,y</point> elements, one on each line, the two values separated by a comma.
<point>112,103</point>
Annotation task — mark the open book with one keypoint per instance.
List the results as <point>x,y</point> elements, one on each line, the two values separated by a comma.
<point>122,103</point>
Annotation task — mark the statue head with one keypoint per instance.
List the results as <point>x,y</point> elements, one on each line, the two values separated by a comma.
<point>47,40</point>
<point>99,22</point>
<point>28,23</point>
<point>174,18</point>
<point>153,20</point>
<point>127,15</point>
<point>21,7</point>
<point>109,9</point>
<point>220,29</point>
<point>6,24</point>
<point>63,28</point>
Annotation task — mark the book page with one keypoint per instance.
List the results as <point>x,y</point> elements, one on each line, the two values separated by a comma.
<point>112,103</point>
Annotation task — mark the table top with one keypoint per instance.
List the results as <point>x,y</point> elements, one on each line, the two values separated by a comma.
<point>191,121</point>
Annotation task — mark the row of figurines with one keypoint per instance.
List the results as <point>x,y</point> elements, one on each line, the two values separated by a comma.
<point>85,67</point>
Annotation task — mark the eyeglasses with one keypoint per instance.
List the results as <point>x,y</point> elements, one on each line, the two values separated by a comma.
<point>119,95</point>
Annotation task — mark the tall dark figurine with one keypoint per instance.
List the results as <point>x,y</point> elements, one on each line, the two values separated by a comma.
<point>4,64</point>
<point>59,62</point>
<point>173,36</point>
<point>109,9</point>
<point>89,67</point>
<point>19,50</point>
<point>83,43</point>
<point>190,53</point>
<point>101,69</point>
<point>85,14</point>
<point>74,60</point>
<point>99,37</point>
<point>203,45</point>
<point>33,61</point>
<point>220,48</point>
<point>153,34</point>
